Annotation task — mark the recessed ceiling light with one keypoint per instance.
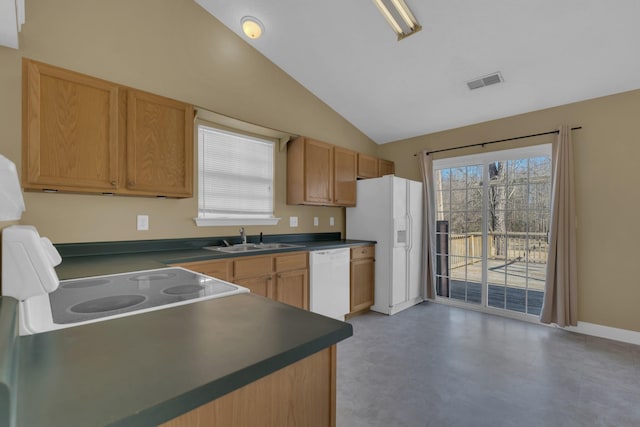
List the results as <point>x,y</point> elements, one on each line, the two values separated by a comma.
<point>252,27</point>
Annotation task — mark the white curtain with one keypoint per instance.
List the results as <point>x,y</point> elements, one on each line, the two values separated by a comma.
<point>429,235</point>
<point>560,304</point>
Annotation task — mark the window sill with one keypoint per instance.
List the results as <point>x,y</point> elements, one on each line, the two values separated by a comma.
<point>213,222</point>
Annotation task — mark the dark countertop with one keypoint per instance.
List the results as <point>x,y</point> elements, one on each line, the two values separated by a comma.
<point>97,264</point>
<point>146,369</point>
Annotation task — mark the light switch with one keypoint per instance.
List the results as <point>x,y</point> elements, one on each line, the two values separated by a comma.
<point>316,222</point>
<point>332,221</point>
<point>143,222</point>
<point>293,221</point>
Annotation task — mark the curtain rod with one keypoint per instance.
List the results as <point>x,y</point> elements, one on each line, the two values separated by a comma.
<point>498,140</point>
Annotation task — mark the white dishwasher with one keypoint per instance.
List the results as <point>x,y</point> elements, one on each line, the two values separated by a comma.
<point>329,271</point>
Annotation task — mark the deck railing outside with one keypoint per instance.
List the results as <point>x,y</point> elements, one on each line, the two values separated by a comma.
<point>465,249</point>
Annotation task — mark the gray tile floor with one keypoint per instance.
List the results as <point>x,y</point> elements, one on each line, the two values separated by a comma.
<point>435,365</point>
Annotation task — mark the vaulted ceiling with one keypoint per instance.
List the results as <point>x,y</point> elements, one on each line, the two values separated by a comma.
<point>549,52</point>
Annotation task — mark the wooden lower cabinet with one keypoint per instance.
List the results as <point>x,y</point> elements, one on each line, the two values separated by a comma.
<point>262,285</point>
<point>301,394</point>
<point>220,269</point>
<point>362,287</point>
<point>292,287</point>
<point>283,277</point>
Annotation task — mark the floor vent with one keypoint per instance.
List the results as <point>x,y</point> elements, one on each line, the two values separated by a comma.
<point>490,79</point>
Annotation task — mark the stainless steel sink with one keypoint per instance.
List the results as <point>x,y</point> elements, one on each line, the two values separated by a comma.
<point>251,247</point>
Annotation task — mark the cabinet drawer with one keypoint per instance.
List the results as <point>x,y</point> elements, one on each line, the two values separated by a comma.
<point>252,266</point>
<point>288,262</point>
<point>361,252</point>
<point>220,269</point>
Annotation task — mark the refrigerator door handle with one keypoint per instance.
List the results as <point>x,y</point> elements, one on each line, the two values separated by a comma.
<point>409,232</point>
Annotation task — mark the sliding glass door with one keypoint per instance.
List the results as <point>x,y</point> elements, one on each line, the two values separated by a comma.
<point>492,224</point>
<point>459,232</point>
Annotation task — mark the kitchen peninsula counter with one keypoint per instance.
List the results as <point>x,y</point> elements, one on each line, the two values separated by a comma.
<point>149,368</point>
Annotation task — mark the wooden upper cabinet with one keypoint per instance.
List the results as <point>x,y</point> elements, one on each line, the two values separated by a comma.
<point>367,166</point>
<point>309,172</point>
<point>344,174</point>
<point>318,162</point>
<point>320,174</point>
<point>83,134</point>
<point>70,130</point>
<point>385,167</point>
<point>159,145</point>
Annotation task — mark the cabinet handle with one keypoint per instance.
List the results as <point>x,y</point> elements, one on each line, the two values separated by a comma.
<point>113,183</point>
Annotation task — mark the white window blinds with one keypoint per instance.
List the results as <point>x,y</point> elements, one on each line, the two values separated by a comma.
<point>235,175</point>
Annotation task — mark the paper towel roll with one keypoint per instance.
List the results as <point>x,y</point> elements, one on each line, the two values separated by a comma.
<point>11,201</point>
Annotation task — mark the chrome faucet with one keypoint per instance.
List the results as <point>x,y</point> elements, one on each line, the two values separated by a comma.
<point>243,236</point>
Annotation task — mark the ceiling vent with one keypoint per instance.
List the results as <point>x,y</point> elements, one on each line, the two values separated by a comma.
<point>490,79</point>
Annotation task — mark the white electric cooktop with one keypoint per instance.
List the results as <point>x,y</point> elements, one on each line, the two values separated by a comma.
<point>89,298</point>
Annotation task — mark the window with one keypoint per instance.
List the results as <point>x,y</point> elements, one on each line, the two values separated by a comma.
<point>492,223</point>
<point>235,178</point>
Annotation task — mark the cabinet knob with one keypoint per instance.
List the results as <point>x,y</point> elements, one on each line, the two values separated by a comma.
<point>132,183</point>
<point>113,183</point>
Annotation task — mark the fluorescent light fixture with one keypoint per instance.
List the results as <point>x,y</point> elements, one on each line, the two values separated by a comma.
<point>252,27</point>
<point>399,10</point>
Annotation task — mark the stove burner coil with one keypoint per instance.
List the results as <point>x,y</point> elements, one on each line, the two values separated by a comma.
<point>111,303</point>
<point>183,289</point>
<point>84,283</point>
<point>152,276</point>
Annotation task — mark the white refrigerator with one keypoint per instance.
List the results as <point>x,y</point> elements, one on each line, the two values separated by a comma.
<point>389,210</point>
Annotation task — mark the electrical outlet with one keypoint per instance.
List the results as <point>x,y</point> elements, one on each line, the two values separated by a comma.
<point>316,222</point>
<point>332,221</point>
<point>293,221</point>
<point>143,222</point>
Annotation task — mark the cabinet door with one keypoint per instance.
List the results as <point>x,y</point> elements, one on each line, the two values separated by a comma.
<point>262,285</point>
<point>362,284</point>
<point>253,266</point>
<point>385,167</point>
<point>367,166</point>
<point>344,175</point>
<point>220,269</point>
<point>291,261</point>
<point>318,164</point>
<point>292,287</point>
<point>70,130</point>
<point>159,145</point>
